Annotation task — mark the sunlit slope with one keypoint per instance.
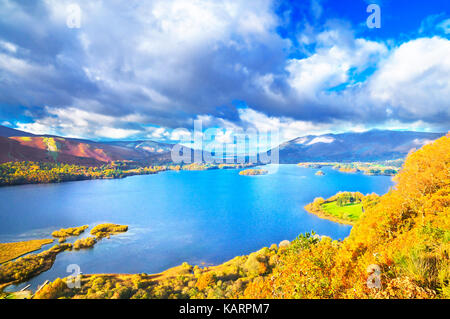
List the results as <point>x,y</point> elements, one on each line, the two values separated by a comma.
<point>402,243</point>
<point>38,149</point>
<point>74,151</point>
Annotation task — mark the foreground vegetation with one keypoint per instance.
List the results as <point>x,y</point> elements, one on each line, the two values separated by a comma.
<point>399,248</point>
<point>9,251</point>
<point>29,266</point>
<point>389,168</point>
<point>344,207</point>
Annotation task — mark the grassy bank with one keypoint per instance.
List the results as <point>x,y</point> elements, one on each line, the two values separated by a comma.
<point>343,208</point>
<point>9,251</point>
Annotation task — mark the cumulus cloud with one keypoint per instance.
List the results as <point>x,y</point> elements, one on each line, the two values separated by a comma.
<point>414,80</point>
<point>168,60</point>
<point>286,127</point>
<point>142,69</point>
<point>73,122</point>
<point>330,66</point>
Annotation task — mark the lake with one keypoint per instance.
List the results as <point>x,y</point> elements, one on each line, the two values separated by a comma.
<point>201,217</point>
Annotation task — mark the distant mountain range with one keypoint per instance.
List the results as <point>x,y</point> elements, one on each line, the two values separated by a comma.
<point>374,145</point>
<point>16,145</point>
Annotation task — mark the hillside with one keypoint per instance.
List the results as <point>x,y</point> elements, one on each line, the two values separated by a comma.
<point>375,145</point>
<point>399,248</point>
<point>14,149</point>
<point>23,146</point>
<point>369,146</point>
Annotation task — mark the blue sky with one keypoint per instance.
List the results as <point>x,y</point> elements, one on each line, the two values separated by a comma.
<point>149,69</point>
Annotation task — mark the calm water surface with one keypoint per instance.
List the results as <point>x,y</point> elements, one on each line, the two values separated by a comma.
<point>194,216</point>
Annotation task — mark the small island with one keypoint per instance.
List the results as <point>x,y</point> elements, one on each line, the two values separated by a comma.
<point>106,230</point>
<point>63,233</point>
<point>384,168</point>
<point>253,172</point>
<point>83,243</point>
<point>320,173</point>
<point>344,207</point>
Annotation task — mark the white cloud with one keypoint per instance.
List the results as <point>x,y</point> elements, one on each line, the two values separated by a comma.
<point>224,136</point>
<point>286,127</point>
<point>174,61</point>
<point>36,128</point>
<point>73,122</point>
<point>414,79</point>
<point>115,133</point>
<point>8,46</point>
<point>170,59</point>
<point>158,133</point>
<point>330,65</point>
<point>181,135</point>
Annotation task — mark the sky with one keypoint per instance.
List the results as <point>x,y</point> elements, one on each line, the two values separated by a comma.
<point>151,69</point>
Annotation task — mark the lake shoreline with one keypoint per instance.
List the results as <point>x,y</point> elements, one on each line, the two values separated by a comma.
<point>129,173</point>
<point>332,218</point>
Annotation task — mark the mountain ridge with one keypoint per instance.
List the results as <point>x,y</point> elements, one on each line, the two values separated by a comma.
<point>373,145</point>
<point>16,145</point>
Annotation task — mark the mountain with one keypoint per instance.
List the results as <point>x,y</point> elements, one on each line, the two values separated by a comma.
<point>7,132</point>
<point>373,145</point>
<point>16,145</point>
<point>367,146</point>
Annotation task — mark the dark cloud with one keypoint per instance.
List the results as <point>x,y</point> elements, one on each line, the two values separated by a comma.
<point>166,63</point>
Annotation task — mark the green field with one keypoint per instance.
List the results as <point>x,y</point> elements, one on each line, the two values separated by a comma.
<point>9,251</point>
<point>350,211</point>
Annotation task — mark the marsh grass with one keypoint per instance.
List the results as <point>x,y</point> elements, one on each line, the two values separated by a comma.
<point>10,251</point>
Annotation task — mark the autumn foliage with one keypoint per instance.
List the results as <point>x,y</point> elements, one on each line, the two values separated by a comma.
<point>406,235</point>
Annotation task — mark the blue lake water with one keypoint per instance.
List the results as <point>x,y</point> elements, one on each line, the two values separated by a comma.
<point>195,216</point>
